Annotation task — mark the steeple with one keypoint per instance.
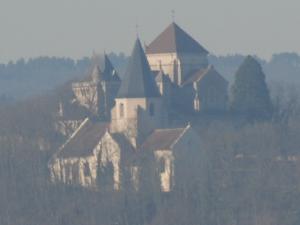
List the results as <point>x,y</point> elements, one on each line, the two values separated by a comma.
<point>138,81</point>
<point>108,70</point>
<point>103,69</point>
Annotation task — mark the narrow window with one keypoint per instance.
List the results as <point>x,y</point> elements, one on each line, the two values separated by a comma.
<point>86,170</point>
<point>121,110</point>
<point>151,109</point>
<point>162,165</point>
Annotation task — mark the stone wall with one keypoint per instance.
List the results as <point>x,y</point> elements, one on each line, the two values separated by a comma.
<point>136,120</point>
<point>165,165</point>
<point>177,67</point>
<point>86,94</point>
<point>84,171</point>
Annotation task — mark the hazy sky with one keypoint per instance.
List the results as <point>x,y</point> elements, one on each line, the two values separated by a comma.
<point>75,28</point>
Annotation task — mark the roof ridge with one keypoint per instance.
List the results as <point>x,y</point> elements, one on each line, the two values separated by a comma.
<point>61,148</point>
<point>177,128</point>
<point>75,132</point>
<point>205,72</point>
<point>200,73</point>
<point>180,136</point>
<point>175,36</point>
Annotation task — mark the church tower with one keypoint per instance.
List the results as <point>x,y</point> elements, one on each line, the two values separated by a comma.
<point>139,107</point>
<point>98,92</point>
<point>177,53</point>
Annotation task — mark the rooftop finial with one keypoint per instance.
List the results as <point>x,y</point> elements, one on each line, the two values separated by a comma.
<point>137,30</point>
<point>173,15</point>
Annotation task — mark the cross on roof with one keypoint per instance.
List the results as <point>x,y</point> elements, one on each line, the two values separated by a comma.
<point>137,30</point>
<point>173,15</point>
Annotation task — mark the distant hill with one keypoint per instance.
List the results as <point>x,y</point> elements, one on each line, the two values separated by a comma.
<point>23,79</point>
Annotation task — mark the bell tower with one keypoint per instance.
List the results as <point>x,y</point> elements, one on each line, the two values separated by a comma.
<point>139,106</point>
<point>176,53</point>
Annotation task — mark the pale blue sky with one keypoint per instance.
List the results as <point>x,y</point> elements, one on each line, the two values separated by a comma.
<point>75,28</point>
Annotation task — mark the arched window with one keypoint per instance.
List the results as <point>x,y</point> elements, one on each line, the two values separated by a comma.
<point>151,109</point>
<point>121,110</point>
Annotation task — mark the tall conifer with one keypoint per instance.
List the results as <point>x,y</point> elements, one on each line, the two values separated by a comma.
<point>250,94</point>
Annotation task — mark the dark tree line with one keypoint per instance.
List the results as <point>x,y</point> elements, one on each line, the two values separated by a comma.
<point>25,78</point>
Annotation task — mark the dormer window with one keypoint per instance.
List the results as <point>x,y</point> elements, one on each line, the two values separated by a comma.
<point>121,109</point>
<point>151,109</point>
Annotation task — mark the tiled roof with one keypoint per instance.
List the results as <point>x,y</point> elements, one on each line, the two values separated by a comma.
<point>74,111</point>
<point>198,75</point>
<point>84,140</point>
<point>138,80</point>
<point>162,139</point>
<point>175,40</point>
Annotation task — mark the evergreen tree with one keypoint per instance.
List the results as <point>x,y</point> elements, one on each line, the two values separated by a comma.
<point>250,94</point>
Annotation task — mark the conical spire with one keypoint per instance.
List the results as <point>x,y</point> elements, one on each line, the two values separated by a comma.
<point>103,69</point>
<point>138,81</point>
<point>115,76</point>
<point>108,69</point>
<point>175,40</point>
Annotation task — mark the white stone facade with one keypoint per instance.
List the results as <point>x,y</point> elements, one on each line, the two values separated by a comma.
<point>177,66</point>
<point>84,170</point>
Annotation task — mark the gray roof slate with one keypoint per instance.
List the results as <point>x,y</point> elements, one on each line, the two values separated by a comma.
<point>84,140</point>
<point>162,139</point>
<point>198,75</point>
<point>175,40</point>
<point>138,80</point>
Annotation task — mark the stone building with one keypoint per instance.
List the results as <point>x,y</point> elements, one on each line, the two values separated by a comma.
<point>184,60</point>
<point>98,91</point>
<point>123,136</point>
<point>94,96</point>
<point>100,154</point>
<point>205,91</point>
<point>176,53</point>
<point>165,87</point>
